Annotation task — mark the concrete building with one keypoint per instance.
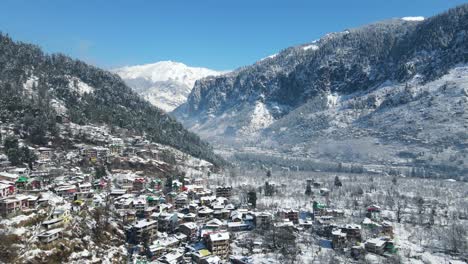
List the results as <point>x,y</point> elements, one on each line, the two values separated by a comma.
<point>219,244</point>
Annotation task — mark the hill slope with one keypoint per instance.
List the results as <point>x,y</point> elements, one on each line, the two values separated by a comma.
<point>39,88</point>
<point>165,84</point>
<point>350,87</point>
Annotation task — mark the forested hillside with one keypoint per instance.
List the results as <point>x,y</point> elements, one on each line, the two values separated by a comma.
<point>39,90</point>
<point>363,95</point>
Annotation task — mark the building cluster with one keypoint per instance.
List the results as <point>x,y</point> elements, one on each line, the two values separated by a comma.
<point>166,218</point>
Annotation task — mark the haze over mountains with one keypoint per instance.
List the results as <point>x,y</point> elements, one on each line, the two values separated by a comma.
<point>165,84</point>
<point>393,92</point>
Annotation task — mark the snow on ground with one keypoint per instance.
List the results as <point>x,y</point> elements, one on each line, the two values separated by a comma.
<point>259,119</point>
<point>30,83</point>
<point>16,220</point>
<point>332,99</point>
<point>79,86</point>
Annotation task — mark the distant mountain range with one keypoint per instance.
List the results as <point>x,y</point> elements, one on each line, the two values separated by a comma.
<point>39,89</point>
<point>165,84</point>
<point>392,93</point>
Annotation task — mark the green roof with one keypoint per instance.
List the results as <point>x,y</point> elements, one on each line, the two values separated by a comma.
<point>22,179</point>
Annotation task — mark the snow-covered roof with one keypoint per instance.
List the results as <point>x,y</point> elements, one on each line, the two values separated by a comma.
<point>219,236</point>
<point>50,232</point>
<point>378,242</point>
<point>190,225</point>
<point>144,223</point>
<point>9,176</point>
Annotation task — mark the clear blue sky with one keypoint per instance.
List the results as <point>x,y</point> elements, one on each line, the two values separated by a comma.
<point>218,34</point>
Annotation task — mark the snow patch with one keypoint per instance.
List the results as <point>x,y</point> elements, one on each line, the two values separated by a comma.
<point>79,86</point>
<point>30,83</point>
<point>312,47</point>
<point>413,18</point>
<point>332,100</point>
<point>269,57</point>
<point>260,118</point>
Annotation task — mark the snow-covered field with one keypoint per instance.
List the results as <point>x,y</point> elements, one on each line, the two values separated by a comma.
<point>429,211</point>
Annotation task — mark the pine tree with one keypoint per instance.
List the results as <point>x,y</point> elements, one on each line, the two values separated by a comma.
<point>308,191</point>
<point>252,194</point>
<point>338,182</point>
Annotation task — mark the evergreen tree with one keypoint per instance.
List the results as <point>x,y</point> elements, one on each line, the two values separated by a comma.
<point>14,156</point>
<point>338,182</point>
<point>100,171</point>
<point>252,194</point>
<point>308,191</point>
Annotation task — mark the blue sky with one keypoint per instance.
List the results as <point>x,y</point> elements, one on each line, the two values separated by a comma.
<point>212,33</point>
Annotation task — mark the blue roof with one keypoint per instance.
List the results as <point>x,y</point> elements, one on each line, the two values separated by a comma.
<point>198,246</point>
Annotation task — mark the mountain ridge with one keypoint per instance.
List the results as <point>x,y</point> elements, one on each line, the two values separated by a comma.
<point>247,106</point>
<point>165,84</point>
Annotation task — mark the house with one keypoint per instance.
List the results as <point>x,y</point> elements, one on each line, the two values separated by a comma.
<point>292,215</point>
<point>50,235</point>
<point>6,189</point>
<point>205,212</point>
<point>84,187</point>
<point>5,176</point>
<point>238,226</point>
<point>52,223</point>
<point>324,191</point>
<point>61,214</point>
<point>20,171</point>
<point>373,212</point>
<point>181,200</point>
<point>118,192</point>
<point>387,229</point>
<point>167,222</point>
<point>353,232</point>
<point>13,204</point>
<point>211,260</point>
<point>190,217</point>
<point>378,245</point>
<point>338,239</point>
<point>66,191</point>
<point>144,229</point>
<point>215,224</point>
<point>190,229</point>
<point>45,154</point>
<point>139,184</point>
<point>241,260</point>
<point>263,220</point>
<point>207,200</point>
<point>174,256</point>
<point>116,146</point>
<point>219,244</point>
<point>224,191</point>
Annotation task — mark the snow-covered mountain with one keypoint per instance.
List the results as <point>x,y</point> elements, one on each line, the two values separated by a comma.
<point>165,84</point>
<point>383,92</point>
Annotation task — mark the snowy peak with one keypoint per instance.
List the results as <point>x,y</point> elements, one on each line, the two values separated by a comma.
<point>166,71</point>
<point>165,84</point>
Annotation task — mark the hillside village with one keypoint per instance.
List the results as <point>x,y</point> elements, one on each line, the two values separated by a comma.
<point>109,199</point>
